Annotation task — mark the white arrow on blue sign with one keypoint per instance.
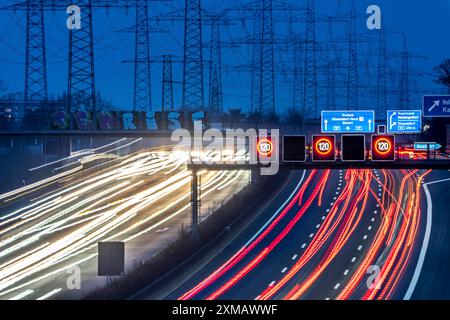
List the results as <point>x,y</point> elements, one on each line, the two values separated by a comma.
<point>404,121</point>
<point>424,146</point>
<point>436,106</point>
<point>349,121</point>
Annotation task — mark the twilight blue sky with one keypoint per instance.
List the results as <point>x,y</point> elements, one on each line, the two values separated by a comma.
<point>424,22</point>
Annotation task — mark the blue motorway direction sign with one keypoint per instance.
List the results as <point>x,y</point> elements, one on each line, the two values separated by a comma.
<point>404,121</point>
<point>424,146</point>
<point>436,106</point>
<point>359,121</point>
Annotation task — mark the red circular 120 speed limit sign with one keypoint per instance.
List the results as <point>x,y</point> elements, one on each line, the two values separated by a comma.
<point>323,148</point>
<point>383,148</point>
<point>264,147</point>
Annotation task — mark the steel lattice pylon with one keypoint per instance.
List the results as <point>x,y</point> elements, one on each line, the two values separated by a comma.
<point>267,63</point>
<point>256,67</point>
<point>167,87</point>
<point>193,58</point>
<point>404,77</point>
<point>142,81</point>
<point>297,97</point>
<point>215,76</point>
<point>382,77</point>
<point>81,86</point>
<point>352,81</point>
<point>35,66</point>
<point>310,82</point>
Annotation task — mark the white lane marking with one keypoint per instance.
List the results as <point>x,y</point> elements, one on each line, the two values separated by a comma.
<point>272,283</point>
<point>294,257</point>
<point>353,259</point>
<point>331,204</point>
<point>317,227</point>
<point>369,228</point>
<point>311,235</point>
<point>284,270</point>
<point>48,295</point>
<point>437,181</point>
<point>327,299</point>
<point>328,210</point>
<point>323,217</point>
<point>346,272</point>
<point>423,250</point>
<point>334,198</point>
<point>375,212</point>
<point>303,245</point>
<point>373,219</point>
<point>337,286</point>
<point>277,212</point>
<point>359,248</point>
<point>22,295</point>
<point>365,237</point>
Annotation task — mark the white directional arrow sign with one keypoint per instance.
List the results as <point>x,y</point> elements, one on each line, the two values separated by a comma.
<point>436,103</point>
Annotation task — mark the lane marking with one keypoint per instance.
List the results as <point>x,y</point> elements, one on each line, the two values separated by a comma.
<point>365,237</point>
<point>22,295</point>
<point>317,227</point>
<point>48,295</point>
<point>359,248</point>
<point>311,235</point>
<point>437,181</point>
<point>303,245</point>
<point>346,272</point>
<point>337,286</point>
<point>423,250</point>
<point>272,283</point>
<point>353,259</point>
<point>369,228</point>
<point>294,257</point>
<point>284,270</point>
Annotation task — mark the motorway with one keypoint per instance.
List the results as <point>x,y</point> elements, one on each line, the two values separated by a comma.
<point>49,229</point>
<point>336,235</point>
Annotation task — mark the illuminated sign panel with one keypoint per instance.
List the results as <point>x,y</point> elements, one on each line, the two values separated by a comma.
<point>353,148</point>
<point>264,147</point>
<point>323,148</point>
<point>404,121</point>
<point>348,121</point>
<point>294,149</point>
<point>383,148</point>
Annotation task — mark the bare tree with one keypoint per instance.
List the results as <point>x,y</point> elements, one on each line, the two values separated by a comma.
<point>443,73</point>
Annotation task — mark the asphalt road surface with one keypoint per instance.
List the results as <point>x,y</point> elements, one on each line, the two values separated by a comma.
<point>380,234</point>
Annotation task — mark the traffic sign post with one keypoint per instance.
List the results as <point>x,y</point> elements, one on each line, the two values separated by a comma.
<point>323,148</point>
<point>383,147</point>
<point>357,121</point>
<point>294,149</point>
<point>404,121</point>
<point>436,106</point>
